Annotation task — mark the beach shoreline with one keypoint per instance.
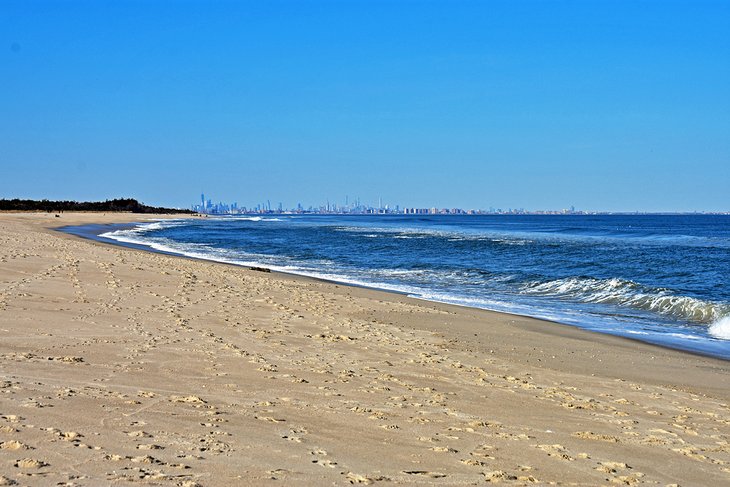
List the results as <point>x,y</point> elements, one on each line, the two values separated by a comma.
<point>94,232</point>
<point>419,382</point>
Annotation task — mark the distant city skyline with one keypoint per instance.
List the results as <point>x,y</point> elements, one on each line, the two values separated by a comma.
<point>608,106</point>
<point>356,207</point>
<point>208,205</point>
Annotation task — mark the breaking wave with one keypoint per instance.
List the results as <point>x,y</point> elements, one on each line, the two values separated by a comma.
<point>721,328</point>
<point>250,219</point>
<point>620,292</point>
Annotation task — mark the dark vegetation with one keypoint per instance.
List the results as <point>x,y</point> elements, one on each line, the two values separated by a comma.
<point>121,204</point>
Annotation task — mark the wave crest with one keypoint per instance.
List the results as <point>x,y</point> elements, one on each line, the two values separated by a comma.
<point>630,294</point>
<point>721,328</point>
<point>251,219</point>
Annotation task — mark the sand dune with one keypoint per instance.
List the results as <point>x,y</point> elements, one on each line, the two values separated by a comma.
<point>121,365</point>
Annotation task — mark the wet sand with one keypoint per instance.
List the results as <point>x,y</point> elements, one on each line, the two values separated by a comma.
<point>123,365</point>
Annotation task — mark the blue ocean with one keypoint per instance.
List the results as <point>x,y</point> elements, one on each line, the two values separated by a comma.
<point>660,279</point>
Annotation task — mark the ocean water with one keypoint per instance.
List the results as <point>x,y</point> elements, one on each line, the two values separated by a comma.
<point>660,279</point>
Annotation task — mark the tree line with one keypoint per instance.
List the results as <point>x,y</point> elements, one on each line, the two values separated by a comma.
<point>129,205</point>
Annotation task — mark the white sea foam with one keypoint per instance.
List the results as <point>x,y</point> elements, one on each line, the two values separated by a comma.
<point>684,336</point>
<point>721,328</point>
<point>630,294</point>
<point>253,219</point>
<point>487,235</point>
<point>513,241</point>
<point>156,225</point>
<point>144,228</point>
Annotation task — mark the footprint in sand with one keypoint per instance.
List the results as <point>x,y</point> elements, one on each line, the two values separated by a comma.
<point>619,471</point>
<point>187,399</point>
<point>556,451</point>
<point>14,445</point>
<point>322,461</point>
<point>356,478</point>
<point>425,473</point>
<point>139,434</point>
<point>589,435</point>
<point>150,446</point>
<point>30,463</point>
<point>498,476</point>
<point>444,449</point>
<point>295,434</point>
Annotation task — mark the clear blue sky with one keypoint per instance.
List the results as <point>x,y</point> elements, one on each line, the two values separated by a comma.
<point>605,105</point>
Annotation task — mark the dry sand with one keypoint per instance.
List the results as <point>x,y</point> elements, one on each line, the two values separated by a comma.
<point>121,365</point>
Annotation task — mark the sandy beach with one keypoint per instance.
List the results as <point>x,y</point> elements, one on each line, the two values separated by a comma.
<point>120,365</point>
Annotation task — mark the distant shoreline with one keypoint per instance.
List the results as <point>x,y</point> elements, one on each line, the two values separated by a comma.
<point>119,205</point>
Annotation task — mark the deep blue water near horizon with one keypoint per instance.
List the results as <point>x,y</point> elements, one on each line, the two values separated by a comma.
<point>661,279</point>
